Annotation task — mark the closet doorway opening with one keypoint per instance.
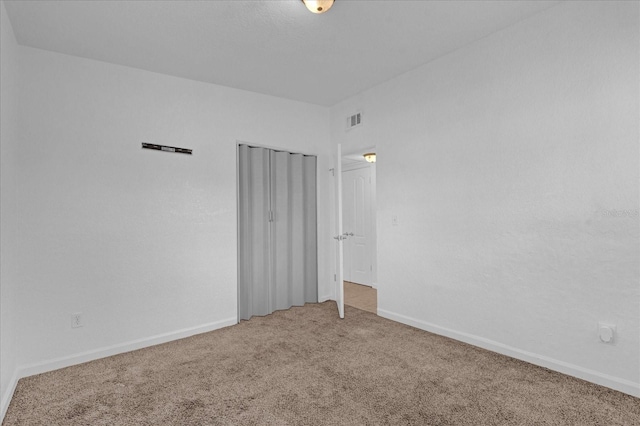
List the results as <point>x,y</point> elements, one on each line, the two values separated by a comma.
<point>277,230</point>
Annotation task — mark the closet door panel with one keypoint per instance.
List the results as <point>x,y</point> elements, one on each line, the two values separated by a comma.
<point>281,254</point>
<point>296,217</point>
<point>244,251</point>
<point>277,231</point>
<point>260,235</point>
<point>310,231</point>
<point>253,276</point>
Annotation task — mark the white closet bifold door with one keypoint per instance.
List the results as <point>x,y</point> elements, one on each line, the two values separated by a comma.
<point>277,236</point>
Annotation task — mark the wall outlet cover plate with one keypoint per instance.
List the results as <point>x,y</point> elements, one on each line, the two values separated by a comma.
<point>606,332</point>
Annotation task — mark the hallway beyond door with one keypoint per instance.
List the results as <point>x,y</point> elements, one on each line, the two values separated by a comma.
<point>361,297</point>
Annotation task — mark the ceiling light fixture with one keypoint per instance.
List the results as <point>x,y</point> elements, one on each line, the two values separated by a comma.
<point>370,157</point>
<point>318,6</point>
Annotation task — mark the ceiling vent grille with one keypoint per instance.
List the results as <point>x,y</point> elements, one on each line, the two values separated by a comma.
<point>354,120</point>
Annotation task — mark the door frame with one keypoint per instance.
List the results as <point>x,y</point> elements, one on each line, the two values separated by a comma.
<point>338,234</point>
<point>374,200</point>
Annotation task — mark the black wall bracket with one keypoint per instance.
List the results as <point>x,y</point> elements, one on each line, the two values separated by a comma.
<point>166,148</point>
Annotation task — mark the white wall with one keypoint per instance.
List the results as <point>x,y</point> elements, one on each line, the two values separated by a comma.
<point>8,217</point>
<point>501,160</point>
<point>142,242</point>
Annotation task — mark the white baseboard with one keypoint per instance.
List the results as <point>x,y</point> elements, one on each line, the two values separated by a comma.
<point>324,298</point>
<point>6,398</point>
<point>67,361</point>
<point>616,383</point>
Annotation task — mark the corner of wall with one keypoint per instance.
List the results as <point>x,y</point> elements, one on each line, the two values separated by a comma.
<point>8,216</point>
<point>8,394</point>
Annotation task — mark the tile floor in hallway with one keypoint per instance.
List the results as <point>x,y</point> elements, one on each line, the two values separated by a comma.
<point>361,297</point>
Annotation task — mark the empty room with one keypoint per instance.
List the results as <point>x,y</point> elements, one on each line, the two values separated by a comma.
<point>290,212</point>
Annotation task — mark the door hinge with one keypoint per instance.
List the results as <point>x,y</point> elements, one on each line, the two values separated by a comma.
<point>334,277</point>
<point>371,268</point>
<point>270,215</point>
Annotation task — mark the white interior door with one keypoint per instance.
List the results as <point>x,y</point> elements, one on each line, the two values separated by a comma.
<point>357,224</point>
<point>339,237</point>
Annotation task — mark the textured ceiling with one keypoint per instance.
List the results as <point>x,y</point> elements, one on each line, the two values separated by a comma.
<point>273,47</point>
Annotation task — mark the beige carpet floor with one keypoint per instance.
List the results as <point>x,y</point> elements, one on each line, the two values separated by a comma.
<point>305,366</point>
<point>361,297</point>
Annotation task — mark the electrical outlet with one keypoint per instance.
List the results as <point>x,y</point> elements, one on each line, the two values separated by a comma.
<point>607,333</point>
<point>76,320</point>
